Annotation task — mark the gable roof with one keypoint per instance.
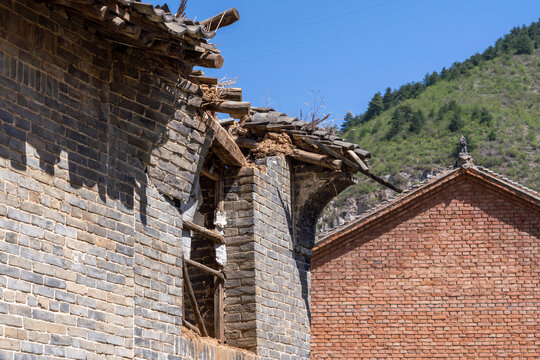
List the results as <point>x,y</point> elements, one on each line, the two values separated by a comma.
<point>340,235</point>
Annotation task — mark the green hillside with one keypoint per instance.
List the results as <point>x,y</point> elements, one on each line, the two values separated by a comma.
<point>492,98</point>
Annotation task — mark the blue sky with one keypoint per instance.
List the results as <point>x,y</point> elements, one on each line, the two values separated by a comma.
<point>280,51</point>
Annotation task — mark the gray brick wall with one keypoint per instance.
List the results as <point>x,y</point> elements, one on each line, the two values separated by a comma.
<point>99,145</point>
<point>95,138</point>
<point>240,306</point>
<point>267,287</point>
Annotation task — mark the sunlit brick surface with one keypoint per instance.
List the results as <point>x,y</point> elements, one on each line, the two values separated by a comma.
<point>455,274</point>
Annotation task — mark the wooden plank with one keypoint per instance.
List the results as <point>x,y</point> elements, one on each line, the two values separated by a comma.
<point>205,268</point>
<point>226,148</point>
<point>252,124</point>
<point>207,59</point>
<point>232,94</point>
<point>236,109</point>
<point>206,233</point>
<point>199,43</point>
<point>211,175</point>
<point>317,159</point>
<point>363,153</point>
<point>382,182</point>
<point>219,323</point>
<point>357,159</point>
<point>344,144</point>
<point>225,122</point>
<point>333,153</point>
<point>191,327</point>
<point>246,143</point>
<point>200,79</point>
<point>222,19</point>
<point>193,301</point>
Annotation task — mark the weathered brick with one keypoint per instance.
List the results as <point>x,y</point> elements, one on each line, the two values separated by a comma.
<point>10,344</point>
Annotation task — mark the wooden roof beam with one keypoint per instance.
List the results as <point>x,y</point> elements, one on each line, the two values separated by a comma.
<point>222,19</point>
<point>225,147</point>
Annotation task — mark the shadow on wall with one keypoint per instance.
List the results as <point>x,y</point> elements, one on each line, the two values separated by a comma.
<point>302,263</point>
<point>96,139</point>
<point>91,150</point>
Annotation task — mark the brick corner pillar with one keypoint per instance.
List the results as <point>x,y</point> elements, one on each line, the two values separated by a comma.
<point>271,214</point>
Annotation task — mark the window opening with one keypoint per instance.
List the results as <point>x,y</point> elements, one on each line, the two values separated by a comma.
<point>203,263</point>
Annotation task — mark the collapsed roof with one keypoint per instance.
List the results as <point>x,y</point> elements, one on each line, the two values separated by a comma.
<point>156,30</point>
<point>252,128</point>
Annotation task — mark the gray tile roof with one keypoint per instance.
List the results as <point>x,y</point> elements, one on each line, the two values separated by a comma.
<point>176,26</point>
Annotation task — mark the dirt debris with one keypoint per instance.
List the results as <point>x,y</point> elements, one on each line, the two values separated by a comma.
<point>273,144</point>
<point>211,92</point>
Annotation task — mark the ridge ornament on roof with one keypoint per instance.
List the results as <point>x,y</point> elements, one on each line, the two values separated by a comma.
<point>464,159</point>
<point>464,167</point>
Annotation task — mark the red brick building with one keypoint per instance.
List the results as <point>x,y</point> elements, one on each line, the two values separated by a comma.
<point>450,269</point>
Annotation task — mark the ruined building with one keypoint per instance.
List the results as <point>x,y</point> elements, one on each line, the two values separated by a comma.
<point>133,222</point>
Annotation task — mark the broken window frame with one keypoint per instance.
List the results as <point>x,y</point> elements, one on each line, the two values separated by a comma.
<point>218,275</point>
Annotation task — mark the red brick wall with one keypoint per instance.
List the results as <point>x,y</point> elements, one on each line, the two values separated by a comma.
<point>455,276</point>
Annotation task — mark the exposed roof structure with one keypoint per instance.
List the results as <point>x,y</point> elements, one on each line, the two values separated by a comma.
<point>299,139</point>
<point>156,30</point>
<point>497,181</point>
<point>333,152</point>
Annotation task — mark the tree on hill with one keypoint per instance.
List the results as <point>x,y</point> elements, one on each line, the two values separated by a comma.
<point>417,121</point>
<point>524,45</point>
<point>375,107</point>
<point>520,40</point>
<point>388,98</point>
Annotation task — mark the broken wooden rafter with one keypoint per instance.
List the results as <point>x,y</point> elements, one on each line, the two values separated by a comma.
<point>201,79</point>
<point>191,327</point>
<point>246,143</point>
<point>226,148</point>
<point>357,159</point>
<point>333,153</point>
<point>232,94</point>
<point>298,154</point>
<point>362,153</point>
<point>221,20</point>
<point>193,301</point>
<point>209,60</point>
<point>255,124</point>
<point>330,145</point>
<point>236,109</point>
<point>344,144</point>
<point>317,159</point>
<point>205,268</point>
<point>204,232</point>
<point>382,181</point>
<point>225,122</point>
